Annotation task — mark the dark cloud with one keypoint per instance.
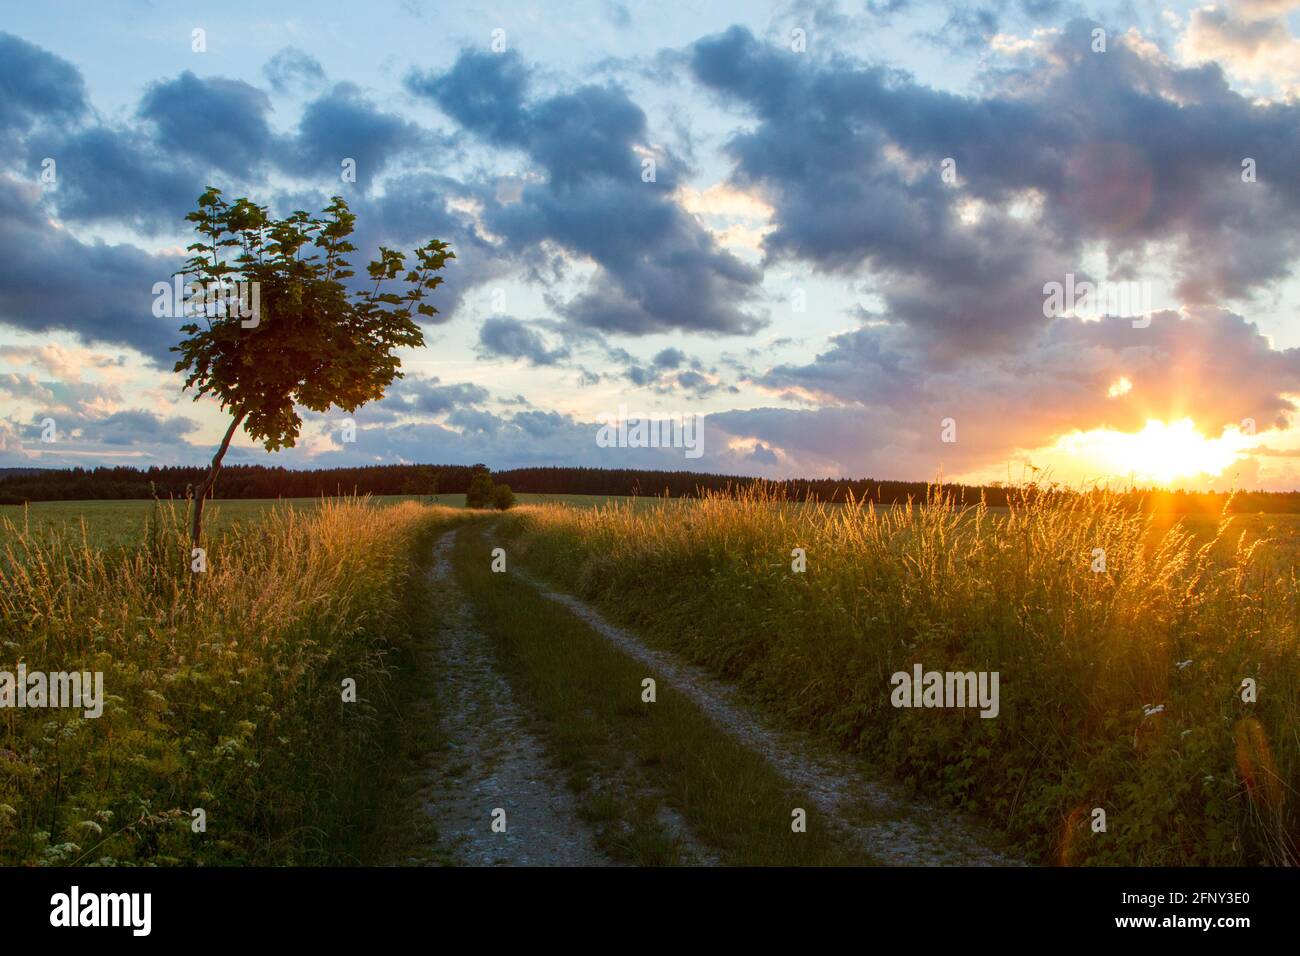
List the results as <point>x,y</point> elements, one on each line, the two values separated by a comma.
<point>1123,149</point>
<point>475,420</point>
<point>113,174</point>
<point>669,358</point>
<point>36,85</point>
<point>665,379</point>
<point>292,69</point>
<point>219,122</point>
<point>428,396</point>
<point>483,92</point>
<point>507,337</point>
<point>658,268</point>
<point>342,124</point>
<point>51,280</point>
<point>137,427</point>
<point>540,424</point>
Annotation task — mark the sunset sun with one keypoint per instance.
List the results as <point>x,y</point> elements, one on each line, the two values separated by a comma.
<point>1162,452</point>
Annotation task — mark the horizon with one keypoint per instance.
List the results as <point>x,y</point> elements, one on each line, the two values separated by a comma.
<point>843,482</point>
<point>902,238</point>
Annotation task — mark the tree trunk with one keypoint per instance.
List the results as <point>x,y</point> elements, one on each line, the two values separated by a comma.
<point>196,523</point>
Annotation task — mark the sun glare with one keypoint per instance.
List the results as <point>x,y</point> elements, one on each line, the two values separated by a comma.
<point>1162,452</point>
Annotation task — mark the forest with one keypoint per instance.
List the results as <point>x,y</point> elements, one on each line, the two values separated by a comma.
<point>260,481</point>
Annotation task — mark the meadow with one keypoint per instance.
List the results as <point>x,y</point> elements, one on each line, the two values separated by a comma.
<point>1120,691</point>
<point>224,690</point>
<point>123,524</point>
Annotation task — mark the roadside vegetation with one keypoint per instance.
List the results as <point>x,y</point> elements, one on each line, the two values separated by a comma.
<point>1121,690</point>
<point>223,689</point>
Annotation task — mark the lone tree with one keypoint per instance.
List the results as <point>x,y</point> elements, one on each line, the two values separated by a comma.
<point>307,340</point>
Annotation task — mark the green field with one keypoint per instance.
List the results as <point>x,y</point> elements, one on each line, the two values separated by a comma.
<point>110,524</point>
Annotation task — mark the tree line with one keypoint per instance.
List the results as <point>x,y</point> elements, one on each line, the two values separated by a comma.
<point>262,481</point>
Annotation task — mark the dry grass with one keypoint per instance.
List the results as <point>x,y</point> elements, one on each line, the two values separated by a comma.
<point>223,689</point>
<point>1119,690</point>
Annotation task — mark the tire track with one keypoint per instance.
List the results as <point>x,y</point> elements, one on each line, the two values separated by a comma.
<point>875,816</point>
<point>491,759</point>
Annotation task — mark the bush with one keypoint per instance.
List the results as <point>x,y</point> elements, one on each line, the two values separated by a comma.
<point>502,497</point>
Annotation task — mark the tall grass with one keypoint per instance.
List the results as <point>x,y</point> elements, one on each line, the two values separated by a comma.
<point>223,688</point>
<point>1119,690</point>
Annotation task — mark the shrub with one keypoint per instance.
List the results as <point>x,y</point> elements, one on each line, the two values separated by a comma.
<point>503,498</point>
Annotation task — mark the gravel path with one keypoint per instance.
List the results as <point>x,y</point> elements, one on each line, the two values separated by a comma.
<point>874,815</point>
<point>492,760</point>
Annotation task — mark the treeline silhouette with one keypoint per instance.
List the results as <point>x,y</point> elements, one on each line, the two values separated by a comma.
<point>260,481</point>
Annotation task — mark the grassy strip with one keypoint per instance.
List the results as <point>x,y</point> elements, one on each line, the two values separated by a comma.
<point>612,744</point>
<point>1120,689</point>
<point>223,689</point>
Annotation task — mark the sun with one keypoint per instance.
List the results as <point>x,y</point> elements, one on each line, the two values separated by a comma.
<point>1161,453</point>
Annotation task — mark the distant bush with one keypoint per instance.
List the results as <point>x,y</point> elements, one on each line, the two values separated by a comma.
<point>503,498</point>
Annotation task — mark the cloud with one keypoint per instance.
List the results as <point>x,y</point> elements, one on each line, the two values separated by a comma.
<point>658,269</point>
<point>292,70</point>
<point>428,396</point>
<point>880,404</point>
<point>115,175</point>
<point>136,427</point>
<point>220,122</point>
<point>342,124</point>
<point>65,363</point>
<point>36,85</point>
<point>51,280</point>
<point>1251,41</point>
<point>507,337</point>
<point>1124,151</point>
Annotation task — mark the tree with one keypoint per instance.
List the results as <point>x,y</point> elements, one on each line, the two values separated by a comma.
<point>502,497</point>
<point>306,341</point>
<point>481,488</point>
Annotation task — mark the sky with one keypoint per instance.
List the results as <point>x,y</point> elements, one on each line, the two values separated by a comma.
<point>899,239</point>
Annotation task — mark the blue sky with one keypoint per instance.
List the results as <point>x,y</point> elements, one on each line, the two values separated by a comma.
<point>800,271</point>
